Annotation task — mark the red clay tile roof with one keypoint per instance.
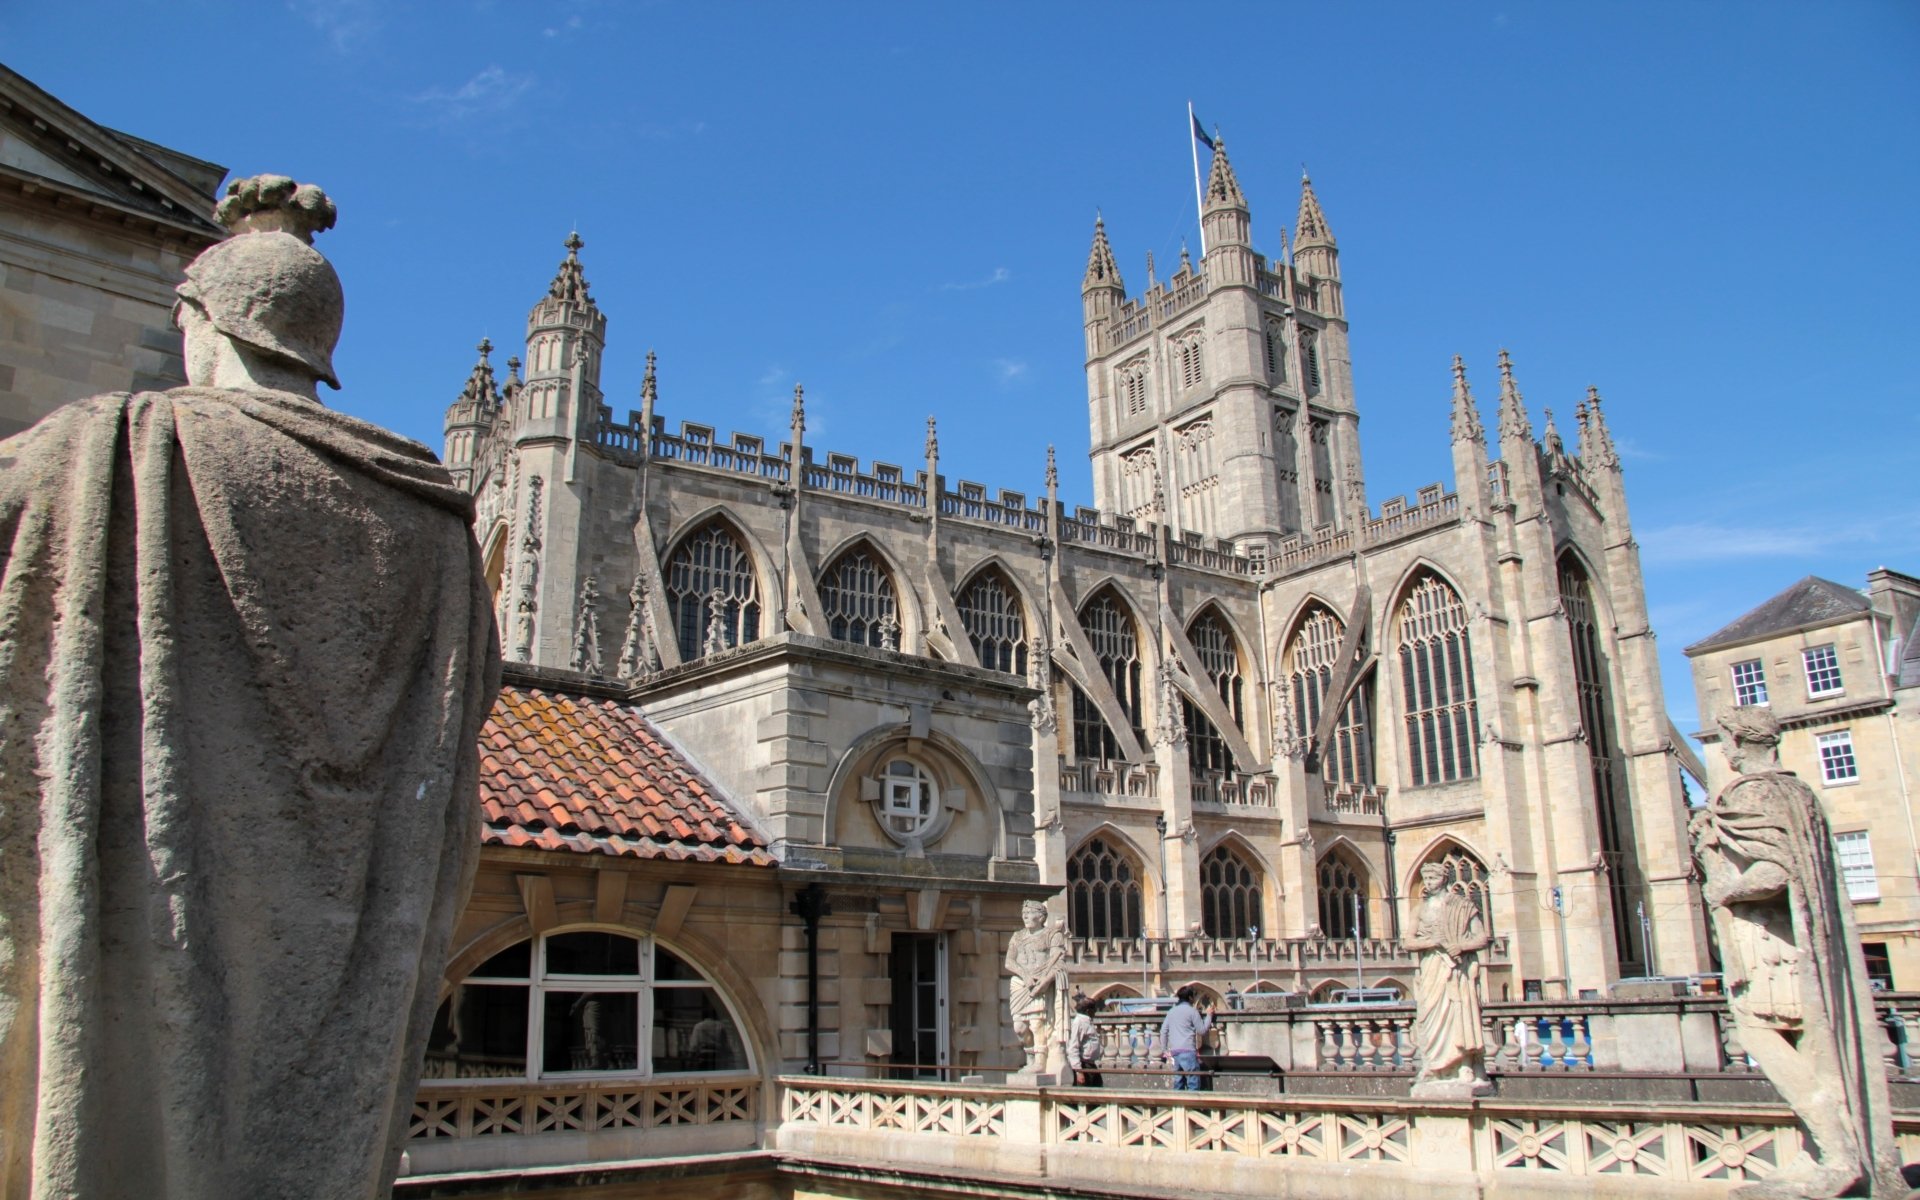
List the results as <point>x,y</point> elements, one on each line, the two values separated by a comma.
<point>560,772</point>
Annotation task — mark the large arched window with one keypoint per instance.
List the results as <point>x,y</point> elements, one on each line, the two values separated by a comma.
<point>1604,761</point>
<point>990,609</point>
<point>1220,659</point>
<point>1463,873</point>
<point>584,1003</point>
<point>1308,667</point>
<point>712,559</point>
<point>1103,892</point>
<point>1343,895</point>
<point>1110,628</point>
<point>1436,683</point>
<point>1229,894</point>
<point>858,598</point>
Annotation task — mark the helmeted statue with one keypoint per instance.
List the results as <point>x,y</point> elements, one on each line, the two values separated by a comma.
<point>245,651</point>
<point>1795,978</point>
<point>1448,934</point>
<point>1037,989</point>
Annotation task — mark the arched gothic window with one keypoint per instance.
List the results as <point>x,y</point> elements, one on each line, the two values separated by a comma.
<point>1308,666</point>
<point>1343,896</point>
<point>1220,658</point>
<point>585,1002</point>
<point>1110,628</point>
<point>712,559</point>
<point>990,609</point>
<point>1465,874</point>
<point>857,597</point>
<point>1310,360</point>
<point>1133,387</point>
<point>1604,761</point>
<point>1229,894</point>
<point>1103,892</point>
<point>1276,350</point>
<point>1192,365</point>
<point>1436,682</point>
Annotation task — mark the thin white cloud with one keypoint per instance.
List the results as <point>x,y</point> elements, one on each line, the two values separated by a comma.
<point>493,90</point>
<point>771,376</point>
<point>346,24</point>
<point>1009,369</point>
<point>1000,275</point>
<point>1633,451</point>
<point>571,25</point>
<point>1708,541</point>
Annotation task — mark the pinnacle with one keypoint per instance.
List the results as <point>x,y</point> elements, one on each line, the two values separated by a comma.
<point>1311,227</point>
<point>479,388</point>
<point>933,440</point>
<point>1102,271</point>
<point>1514,423</point>
<point>485,348</point>
<point>649,383</point>
<point>1603,451</point>
<point>799,410</point>
<point>1466,414</point>
<point>568,283</point>
<point>1223,188</point>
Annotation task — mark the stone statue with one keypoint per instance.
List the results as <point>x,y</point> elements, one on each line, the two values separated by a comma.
<point>1448,933</point>
<point>245,652</point>
<point>1795,979</point>
<point>1037,962</point>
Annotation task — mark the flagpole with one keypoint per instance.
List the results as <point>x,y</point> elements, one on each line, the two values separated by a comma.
<point>1199,209</point>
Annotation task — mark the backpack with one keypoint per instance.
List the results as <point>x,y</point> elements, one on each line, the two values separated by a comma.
<point>1090,1048</point>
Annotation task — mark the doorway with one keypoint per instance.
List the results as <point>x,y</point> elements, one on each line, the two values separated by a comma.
<point>918,967</point>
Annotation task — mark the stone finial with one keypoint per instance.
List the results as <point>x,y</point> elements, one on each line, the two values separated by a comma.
<point>1102,270</point>
<point>716,639</point>
<point>479,392</point>
<point>1186,259</point>
<point>586,628</point>
<point>933,441</point>
<point>799,420</point>
<point>1603,453</point>
<point>638,658</point>
<point>1053,473</point>
<point>569,283</point>
<point>1223,188</point>
<point>1551,435</point>
<point>1310,228</point>
<point>1151,281</point>
<point>649,382</point>
<point>1515,426</point>
<point>275,204</point>
<point>1283,242</point>
<point>513,368</point>
<point>1466,414</point>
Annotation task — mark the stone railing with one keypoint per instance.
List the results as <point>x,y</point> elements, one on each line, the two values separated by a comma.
<point>1159,1142</point>
<point>1219,557</point>
<point>970,503</point>
<point>1282,959</point>
<point>1091,527</point>
<point>696,446</point>
<point>1229,789</point>
<point>1397,520</point>
<point>841,473</point>
<point>1354,800</point>
<point>1137,780</point>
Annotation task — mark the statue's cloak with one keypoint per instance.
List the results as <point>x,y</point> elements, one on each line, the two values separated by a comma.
<point>245,651</point>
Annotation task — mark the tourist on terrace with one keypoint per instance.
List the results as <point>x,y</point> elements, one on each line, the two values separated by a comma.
<point>1083,1043</point>
<point>1180,1036</point>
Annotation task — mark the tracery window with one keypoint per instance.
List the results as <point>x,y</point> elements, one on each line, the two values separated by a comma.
<point>711,558</point>
<point>1436,681</point>
<point>1192,366</point>
<point>1133,387</point>
<point>857,598</point>
<point>1321,435</point>
<point>1310,359</point>
<point>586,1002</point>
<point>1229,894</point>
<point>1308,666</point>
<point>1103,892</point>
<point>990,610</point>
<point>1466,874</point>
<point>1220,659</point>
<point>1275,345</point>
<point>1116,646</point>
<point>1343,896</point>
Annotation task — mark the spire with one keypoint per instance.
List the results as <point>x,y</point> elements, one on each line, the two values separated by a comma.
<point>480,390</point>
<point>1514,425</point>
<point>1283,242</point>
<point>1223,189</point>
<point>933,441</point>
<point>1466,414</point>
<point>1102,271</point>
<point>1186,260</point>
<point>799,422</point>
<point>568,283</point>
<point>1150,279</point>
<point>1601,449</point>
<point>1311,228</point>
<point>1053,473</point>
<point>1556,448</point>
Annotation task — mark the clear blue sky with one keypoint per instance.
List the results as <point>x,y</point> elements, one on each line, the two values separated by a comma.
<point>1706,209</point>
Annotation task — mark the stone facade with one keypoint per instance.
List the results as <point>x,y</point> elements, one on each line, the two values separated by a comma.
<point>1229,713</point>
<point>95,230</point>
<point>1841,671</point>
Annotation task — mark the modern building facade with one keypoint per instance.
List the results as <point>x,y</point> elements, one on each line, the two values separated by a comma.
<point>1840,669</point>
<point>96,227</point>
<point>1221,720</point>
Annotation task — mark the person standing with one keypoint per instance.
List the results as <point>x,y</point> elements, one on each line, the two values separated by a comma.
<point>1180,1036</point>
<point>1083,1044</point>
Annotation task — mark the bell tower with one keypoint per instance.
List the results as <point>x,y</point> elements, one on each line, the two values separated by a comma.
<point>566,336</point>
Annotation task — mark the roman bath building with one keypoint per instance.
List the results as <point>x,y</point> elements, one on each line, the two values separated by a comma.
<point>1221,718</point>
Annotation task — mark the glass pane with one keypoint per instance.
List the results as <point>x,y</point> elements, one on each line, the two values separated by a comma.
<point>480,1032</point>
<point>669,967</point>
<point>591,1031</point>
<point>692,1032</point>
<point>592,954</point>
<point>515,962</point>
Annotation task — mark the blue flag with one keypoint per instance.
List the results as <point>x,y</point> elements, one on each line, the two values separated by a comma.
<point>1201,133</point>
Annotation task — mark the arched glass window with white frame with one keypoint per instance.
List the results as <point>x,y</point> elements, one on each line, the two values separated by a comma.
<point>1436,684</point>
<point>585,1003</point>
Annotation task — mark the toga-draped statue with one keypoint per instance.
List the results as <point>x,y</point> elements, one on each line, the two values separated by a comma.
<point>1448,933</point>
<point>1037,989</point>
<point>245,651</point>
<point>1795,978</point>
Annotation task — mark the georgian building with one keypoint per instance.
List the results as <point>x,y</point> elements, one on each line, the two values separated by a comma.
<point>1221,718</point>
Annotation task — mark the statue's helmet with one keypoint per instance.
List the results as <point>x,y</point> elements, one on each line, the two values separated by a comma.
<point>266,286</point>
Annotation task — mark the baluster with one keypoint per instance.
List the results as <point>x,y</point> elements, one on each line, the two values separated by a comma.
<point>1329,1044</point>
<point>1557,1054</point>
<point>1580,1051</point>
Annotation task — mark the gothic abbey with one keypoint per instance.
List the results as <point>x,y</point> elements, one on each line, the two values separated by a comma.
<point>1223,718</point>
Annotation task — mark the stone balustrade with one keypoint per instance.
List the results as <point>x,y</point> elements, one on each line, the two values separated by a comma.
<point>1232,789</point>
<point>1136,780</point>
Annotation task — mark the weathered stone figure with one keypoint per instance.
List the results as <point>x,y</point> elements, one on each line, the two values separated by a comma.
<point>1037,962</point>
<point>1796,982</point>
<point>1448,933</point>
<point>245,650</point>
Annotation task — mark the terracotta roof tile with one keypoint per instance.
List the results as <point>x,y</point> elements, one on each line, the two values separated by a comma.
<point>561,772</point>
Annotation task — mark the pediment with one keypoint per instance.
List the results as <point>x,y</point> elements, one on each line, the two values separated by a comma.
<point>44,141</point>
